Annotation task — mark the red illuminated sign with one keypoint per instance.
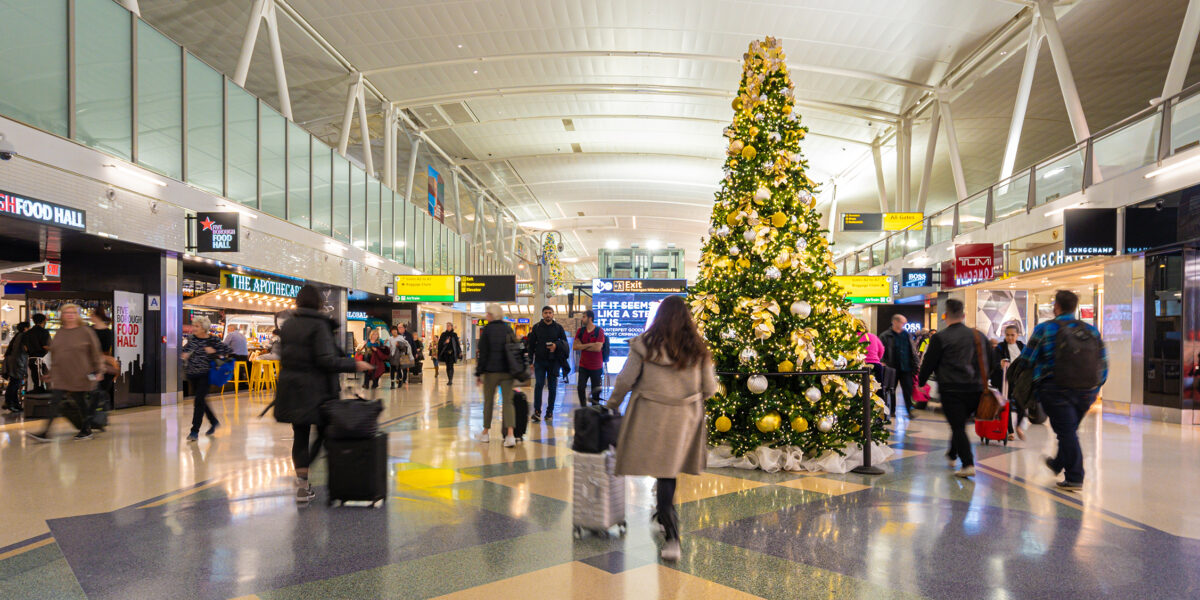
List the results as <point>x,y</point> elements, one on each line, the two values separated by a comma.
<point>973,263</point>
<point>52,270</point>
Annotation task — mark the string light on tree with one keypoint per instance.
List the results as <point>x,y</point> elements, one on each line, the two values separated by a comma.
<point>767,251</point>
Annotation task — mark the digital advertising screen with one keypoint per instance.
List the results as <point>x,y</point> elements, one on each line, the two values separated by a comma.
<point>624,315</point>
<point>1090,231</point>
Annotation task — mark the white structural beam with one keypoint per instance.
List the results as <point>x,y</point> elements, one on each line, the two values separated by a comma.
<point>457,202</point>
<point>389,147</point>
<point>352,95</point>
<point>1024,86</point>
<point>930,149</point>
<point>834,219</point>
<point>364,131</point>
<point>877,157</point>
<point>476,234</point>
<point>412,169</point>
<point>956,168</point>
<point>1184,47</point>
<point>260,11</point>
<point>131,6</point>
<point>1062,67</point>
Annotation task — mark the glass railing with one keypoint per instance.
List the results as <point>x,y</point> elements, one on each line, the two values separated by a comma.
<point>1131,144</point>
<point>134,94</point>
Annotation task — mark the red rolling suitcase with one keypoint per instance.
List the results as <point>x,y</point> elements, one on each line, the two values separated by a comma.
<point>996,430</point>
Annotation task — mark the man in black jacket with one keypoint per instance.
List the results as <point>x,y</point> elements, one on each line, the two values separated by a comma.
<point>37,345</point>
<point>546,342</point>
<point>449,351</point>
<point>900,353</point>
<point>491,371</point>
<point>953,354</point>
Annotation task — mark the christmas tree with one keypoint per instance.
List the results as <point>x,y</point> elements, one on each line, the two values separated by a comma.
<point>765,297</point>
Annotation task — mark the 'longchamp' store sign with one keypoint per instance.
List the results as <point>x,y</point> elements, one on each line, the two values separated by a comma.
<point>40,211</point>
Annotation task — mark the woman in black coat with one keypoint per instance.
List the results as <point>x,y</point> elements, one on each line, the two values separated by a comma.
<point>449,351</point>
<point>309,363</point>
<point>1006,352</point>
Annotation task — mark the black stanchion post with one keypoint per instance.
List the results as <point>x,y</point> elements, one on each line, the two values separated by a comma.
<point>866,468</point>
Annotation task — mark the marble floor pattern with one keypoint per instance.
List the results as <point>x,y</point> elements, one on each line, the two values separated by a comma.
<point>140,513</point>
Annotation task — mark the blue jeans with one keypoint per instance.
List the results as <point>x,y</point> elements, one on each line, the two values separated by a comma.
<point>544,372</point>
<point>1066,409</point>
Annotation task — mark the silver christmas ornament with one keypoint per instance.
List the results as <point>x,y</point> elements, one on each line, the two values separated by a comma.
<point>819,284</point>
<point>756,384</point>
<point>723,231</point>
<point>774,136</point>
<point>773,272</point>
<point>839,363</point>
<point>801,309</point>
<point>758,117</point>
<point>813,394</point>
<point>734,250</point>
<point>805,196</point>
<point>801,244</point>
<point>762,193</point>
<point>852,387</point>
<point>749,235</point>
<point>748,354</point>
<point>712,231</point>
<point>728,334</point>
<point>826,423</point>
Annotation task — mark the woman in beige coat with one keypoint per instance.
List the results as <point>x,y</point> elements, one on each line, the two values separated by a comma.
<point>670,372</point>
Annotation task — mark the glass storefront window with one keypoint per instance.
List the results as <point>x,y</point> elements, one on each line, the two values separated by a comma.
<point>341,198</point>
<point>33,42</point>
<point>299,143</point>
<point>159,102</point>
<point>273,160</point>
<point>205,135</point>
<point>241,145</point>
<point>322,192</point>
<point>104,77</point>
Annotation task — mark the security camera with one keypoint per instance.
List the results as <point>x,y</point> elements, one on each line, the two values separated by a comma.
<point>7,149</point>
<point>1158,206</point>
<point>108,247</point>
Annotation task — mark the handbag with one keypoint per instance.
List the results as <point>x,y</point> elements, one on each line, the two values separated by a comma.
<point>989,401</point>
<point>220,371</point>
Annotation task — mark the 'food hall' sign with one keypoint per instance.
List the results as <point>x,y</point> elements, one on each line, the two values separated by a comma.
<point>217,232</point>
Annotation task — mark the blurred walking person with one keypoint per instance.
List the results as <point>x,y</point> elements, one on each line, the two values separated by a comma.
<point>373,352</point>
<point>102,397</point>
<point>76,367</point>
<point>449,351</point>
<point>197,355</point>
<point>16,365</point>
<point>37,344</point>
<point>492,371</point>
<point>309,363</point>
<point>670,372</point>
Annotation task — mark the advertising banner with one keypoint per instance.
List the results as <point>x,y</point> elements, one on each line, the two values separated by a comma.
<point>437,195</point>
<point>128,322</point>
<point>1090,231</point>
<point>217,231</point>
<point>998,309</point>
<point>626,307</point>
<point>916,277</point>
<point>865,289</point>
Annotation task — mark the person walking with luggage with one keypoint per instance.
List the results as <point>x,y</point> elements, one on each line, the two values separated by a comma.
<point>1007,351</point>
<point>1070,364</point>
<point>197,356</point>
<point>956,354</point>
<point>544,341</point>
<point>76,367</point>
<point>16,365</point>
<point>492,371</point>
<point>309,364</point>
<point>589,340</point>
<point>900,353</point>
<point>373,352</point>
<point>400,354</point>
<point>449,351</point>
<point>37,345</point>
<point>670,372</point>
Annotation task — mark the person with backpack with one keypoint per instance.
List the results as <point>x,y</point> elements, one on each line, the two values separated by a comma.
<point>960,356</point>
<point>16,361</point>
<point>589,340</point>
<point>1070,364</point>
<point>492,370</point>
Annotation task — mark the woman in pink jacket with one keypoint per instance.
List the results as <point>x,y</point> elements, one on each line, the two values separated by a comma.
<point>874,347</point>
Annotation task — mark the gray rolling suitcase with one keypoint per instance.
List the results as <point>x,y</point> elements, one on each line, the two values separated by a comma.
<point>599,495</point>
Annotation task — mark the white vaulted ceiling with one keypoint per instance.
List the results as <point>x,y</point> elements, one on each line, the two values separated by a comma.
<point>603,117</point>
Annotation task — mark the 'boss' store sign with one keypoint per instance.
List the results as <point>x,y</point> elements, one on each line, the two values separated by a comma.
<point>40,211</point>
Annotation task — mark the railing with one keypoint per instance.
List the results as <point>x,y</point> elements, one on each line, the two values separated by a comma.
<point>1145,138</point>
<point>92,72</point>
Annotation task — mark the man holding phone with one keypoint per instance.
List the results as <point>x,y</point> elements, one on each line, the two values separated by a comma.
<point>547,340</point>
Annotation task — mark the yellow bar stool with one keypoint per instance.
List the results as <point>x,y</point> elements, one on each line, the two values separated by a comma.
<point>241,374</point>
<point>271,373</point>
<point>258,375</point>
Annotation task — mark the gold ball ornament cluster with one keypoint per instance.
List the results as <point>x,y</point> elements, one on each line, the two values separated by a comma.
<point>769,422</point>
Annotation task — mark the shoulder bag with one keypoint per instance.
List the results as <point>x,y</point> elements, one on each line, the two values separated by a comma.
<point>989,402</point>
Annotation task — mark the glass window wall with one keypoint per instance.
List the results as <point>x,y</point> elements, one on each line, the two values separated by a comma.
<point>241,145</point>
<point>322,193</point>
<point>358,207</point>
<point>299,184</point>
<point>159,102</point>
<point>273,160</point>
<point>374,216</point>
<point>341,198</point>
<point>205,135</point>
<point>387,203</point>
<point>33,42</point>
<point>104,77</point>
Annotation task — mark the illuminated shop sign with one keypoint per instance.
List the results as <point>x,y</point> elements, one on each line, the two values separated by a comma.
<point>258,285</point>
<point>916,277</point>
<point>40,211</point>
<point>1046,260</point>
<point>356,315</point>
<point>217,232</point>
<point>973,263</point>
<point>1090,231</point>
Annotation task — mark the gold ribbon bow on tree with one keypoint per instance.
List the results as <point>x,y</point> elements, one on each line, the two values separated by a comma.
<point>762,315</point>
<point>705,302</point>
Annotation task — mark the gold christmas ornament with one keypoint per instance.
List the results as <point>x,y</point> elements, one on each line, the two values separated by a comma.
<point>736,146</point>
<point>749,152</point>
<point>799,424</point>
<point>753,131</point>
<point>737,103</point>
<point>779,219</point>
<point>732,219</point>
<point>723,423</point>
<point>784,260</point>
<point>786,367</point>
<point>742,263</point>
<point>769,422</point>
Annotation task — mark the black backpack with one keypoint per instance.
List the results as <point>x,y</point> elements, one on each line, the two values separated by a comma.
<point>605,352</point>
<point>1077,357</point>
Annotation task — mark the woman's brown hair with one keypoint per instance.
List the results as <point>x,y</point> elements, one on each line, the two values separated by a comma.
<point>674,336</point>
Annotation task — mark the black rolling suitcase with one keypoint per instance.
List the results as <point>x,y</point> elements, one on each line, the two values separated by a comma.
<point>358,470</point>
<point>39,405</point>
<point>521,408</point>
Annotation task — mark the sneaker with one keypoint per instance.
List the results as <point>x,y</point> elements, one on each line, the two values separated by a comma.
<point>485,438</point>
<point>37,437</point>
<point>305,494</point>
<point>967,471</point>
<point>1070,485</point>
<point>670,550</point>
<point>212,430</point>
<point>83,436</point>
<point>510,441</point>
<point>1020,433</point>
<point>192,437</point>
<point>951,461</point>
<point>1049,462</point>
<point>535,418</point>
<point>548,417</point>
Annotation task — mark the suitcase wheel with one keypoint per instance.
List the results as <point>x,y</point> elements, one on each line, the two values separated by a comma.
<point>622,527</point>
<point>577,532</point>
<point>985,441</point>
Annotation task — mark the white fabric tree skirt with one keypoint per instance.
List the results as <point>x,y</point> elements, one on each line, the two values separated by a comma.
<point>791,458</point>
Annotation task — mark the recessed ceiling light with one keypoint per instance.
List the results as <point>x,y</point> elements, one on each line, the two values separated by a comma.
<point>460,45</point>
<point>475,72</point>
<point>611,244</point>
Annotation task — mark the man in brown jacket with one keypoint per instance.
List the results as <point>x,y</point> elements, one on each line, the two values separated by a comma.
<point>75,367</point>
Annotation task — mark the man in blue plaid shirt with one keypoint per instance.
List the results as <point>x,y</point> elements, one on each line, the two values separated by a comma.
<point>1065,406</point>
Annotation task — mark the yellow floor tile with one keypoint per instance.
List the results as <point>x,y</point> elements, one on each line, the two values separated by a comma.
<point>822,485</point>
<point>579,581</point>
<point>707,485</point>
